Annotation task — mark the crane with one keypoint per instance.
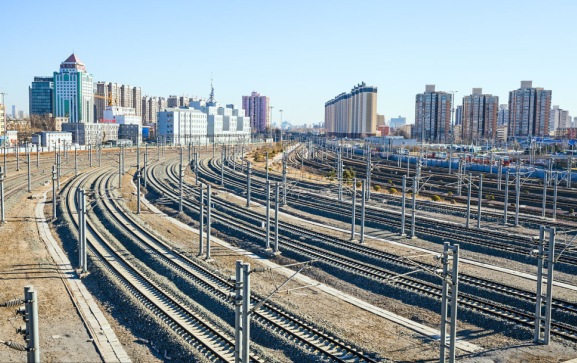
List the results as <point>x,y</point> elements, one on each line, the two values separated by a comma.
<point>109,98</point>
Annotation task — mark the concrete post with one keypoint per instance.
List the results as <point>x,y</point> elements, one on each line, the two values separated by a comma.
<point>284,188</point>
<point>38,156</point>
<point>403,206</point>
<point>543,319</point>
<point>222,160</point>
<point>353,207</point>
<point>266,166</point>
<point>59,172</point>
<point>180,177</point>
<point>452,279</point>
<point>54,192</point>
<point>480,201</point>
<point>84,215</point>
<point>17,148</point>
<point>120,170</point>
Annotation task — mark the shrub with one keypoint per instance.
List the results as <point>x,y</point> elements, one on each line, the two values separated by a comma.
<point>450,194</point>
<point>490,197</point>
<point>526,191</point>
<point>512,204</point>
<point>377,188</point>
<point>571,210</point>
<point>392,190</point>
<point>453,201</point>
<point>391,182</point>
<point>441,181</point>
<point>359,184</point>
<point>435,198</point>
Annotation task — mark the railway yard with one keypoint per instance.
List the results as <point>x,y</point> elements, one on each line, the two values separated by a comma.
<point>303,252</point>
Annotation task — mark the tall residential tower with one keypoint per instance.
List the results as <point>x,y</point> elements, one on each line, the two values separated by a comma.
<point>432,116</point>
<point>479,117</point>
<point>257,108</point>
<point>352,114</point>
<point>529,111</point>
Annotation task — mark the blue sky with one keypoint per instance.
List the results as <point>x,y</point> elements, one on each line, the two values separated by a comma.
<point>299,53</point>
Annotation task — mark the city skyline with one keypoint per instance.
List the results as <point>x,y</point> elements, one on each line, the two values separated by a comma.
<point>291,61</point>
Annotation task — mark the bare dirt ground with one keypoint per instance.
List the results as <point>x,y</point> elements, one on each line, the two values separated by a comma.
<point>25,261</point>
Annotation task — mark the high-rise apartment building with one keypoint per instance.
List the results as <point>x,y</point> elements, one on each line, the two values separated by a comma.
<point>162,104</point>
<point>149,109</point>
<point>432,115</point>
<point>257,107</point>
<point>529,111</point>
<point>41,96</point>
<point>459,115</point>
<point>106,89</point>
<point>126,96</point>
<point>397,122</point>
<point>559,118</point>
<point>380,120</point>
<point>479,119</point>
<point>73,91</point>
<point>172,101</point>
<point>137,100</point>
<point>503,115</point>
<point>352,114</point>
<point>14,111</point>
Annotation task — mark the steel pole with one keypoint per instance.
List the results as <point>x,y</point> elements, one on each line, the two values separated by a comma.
<point>363,186</point>
<point>238,312</point>
<point>518,192</point>
<point>413,211</point>
<point>403,206</point>
<point>276,218</point>
<point>54,192</point>
<point>29,177</point>
<point>201,223</point>
<point>2,206</point>
<point>555,182</point>
<point>245,313</point>
<point>353,207</point>
<point>469,199</point>
<point>479,202</point>
<point>208,208</point>
<point>544,195</point>
<point>76,160</point>
<point>31,298</point>
<point>506,198</point>
<point>267,239</point>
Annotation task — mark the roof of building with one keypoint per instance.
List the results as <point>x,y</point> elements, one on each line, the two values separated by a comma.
<point>73,59</point>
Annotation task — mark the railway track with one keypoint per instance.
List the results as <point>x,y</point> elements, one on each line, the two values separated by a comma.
<point>204,337</point>
<point>323,344</point>
<point>361,268</point>
<point>443,230</point>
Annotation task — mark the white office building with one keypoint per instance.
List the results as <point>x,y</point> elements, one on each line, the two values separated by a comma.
<point>52,138</point>
<point>181,125</point>
<point>73,92</point>
<point>225,124</point>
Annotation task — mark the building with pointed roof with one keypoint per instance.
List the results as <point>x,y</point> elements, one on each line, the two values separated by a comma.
<point>73,92</point>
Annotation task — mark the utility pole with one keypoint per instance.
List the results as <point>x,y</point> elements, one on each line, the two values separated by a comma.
<point>353,206</point>
<point>201,222</point>
<point>544,195</point>
<point>276,219</point>
<point>543,318</point>
<point>82,231</point>
<point>28,162</point>
<point>266,167</point>
<point>413,219</point>
<point>506,197</point>
<point>59,169</point>
<point>569,169</point>
<point>518,191</point>
<point>119,169</point>
<point>363,212</point>
<point>2,206</point>
<point>38,155</point>
<point>284,188</point>
<point>450,282</point>
<point>32,325</point>
<point>208,208</point>
<point>75,160</point>
<point>469,199</point>
<point>267,237</point>
<point>54,192</point>
<point>555,181</point>
<point>222,159</point>
<point>248,173</point>
<point>403,207</point>
<point>480,201</point>
<point>180,177</point>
